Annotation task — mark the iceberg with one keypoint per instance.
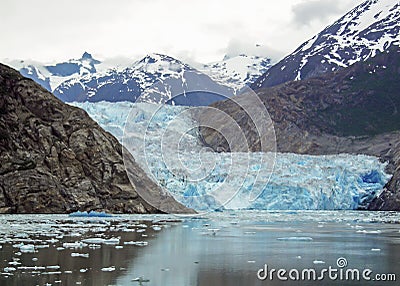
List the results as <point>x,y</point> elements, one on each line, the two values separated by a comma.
<point>89,214</point>
<point>165,142</point>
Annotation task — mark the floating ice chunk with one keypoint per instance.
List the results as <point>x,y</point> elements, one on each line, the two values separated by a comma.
<point>369,231</point>
<point>140,279</point>
<point>138,243</point>
<point>52,273</point>
<point>119,247</point>
<point>60,248</point>
<point>68,272</point>
<point>90,214</point>
<point>94,246</point>
<point>141,230</point>
<point>28,248</point>
<point>108,269</point>
<point>96,240</point>
<point>93,240</point>
<point>318,262</point>
<point>42,246</point>
<point>295,238</point>
<point>84,255</point>
<point>77,244</point>
<point>53,267</point>
<point>83,270</point>
<point>251,261</point>
<point>156,227</point>
<point>9,269</point>
<point>375,249</point>
<point>34,259</point>
<point>31,268</point>
<point>15,263</point>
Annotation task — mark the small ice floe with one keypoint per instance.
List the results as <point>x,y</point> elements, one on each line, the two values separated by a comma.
<point>108,269</point>
<point>14,263</point>
<point>51,273</point>
<point>144,235</point>
<point>213,231</point>
<point>67,272</point>
<point>28,248</point>
<point>156,227</point>
<point>97,240</point>
<point>295,238</point>
<point>185,226</point>
<point>84,255</point>
<point>90,214</point>
<point>1,246</point>
<point>298,257</point>
<point>165,269</point>
<point>42,246</point>
<point>52,241</point>
<point>318,262</point>
<point>34,259</point>
<point>375,249</point>
<point>94,246</point>
<point>83,270</point>
<point>251,261</point>
<point>250,232</point>
<point>60,248</point>
<point>119,247</point>
<point>140,279</point>
<point>77,244</point>
<point>31,268</point>
<point>9,269</point>
<point>137,243</point>
<point>53,267</point>
<point>370,231</point>
<point>141,230</point>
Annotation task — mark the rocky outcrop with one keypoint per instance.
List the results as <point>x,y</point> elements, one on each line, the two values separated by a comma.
<point>55,159</point>
<point>355,110</point>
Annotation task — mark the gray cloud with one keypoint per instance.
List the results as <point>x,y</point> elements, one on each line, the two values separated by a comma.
<point>310,10</point>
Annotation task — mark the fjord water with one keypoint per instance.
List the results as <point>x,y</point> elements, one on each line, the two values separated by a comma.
<point>225,248</point>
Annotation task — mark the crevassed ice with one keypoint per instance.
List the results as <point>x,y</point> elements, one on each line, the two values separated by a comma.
<point>196,177</point>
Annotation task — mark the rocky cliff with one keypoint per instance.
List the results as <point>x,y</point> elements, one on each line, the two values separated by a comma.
<point>55,159</point>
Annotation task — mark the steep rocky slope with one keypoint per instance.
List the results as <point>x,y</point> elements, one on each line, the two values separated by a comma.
<point>55,159</point>
<point>354,110</point>
<point>368,29</point>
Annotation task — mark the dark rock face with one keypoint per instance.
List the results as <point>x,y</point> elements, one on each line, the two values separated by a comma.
<point>55,159</point>
<point>355,110</point>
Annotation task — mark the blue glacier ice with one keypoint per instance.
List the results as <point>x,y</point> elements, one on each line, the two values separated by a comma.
<point>165,143</point>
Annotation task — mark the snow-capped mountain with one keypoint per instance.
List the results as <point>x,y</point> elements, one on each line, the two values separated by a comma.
<point>156,78</point>
<point>370,27</point>
<point>52,75</point>
<point>238,71</point>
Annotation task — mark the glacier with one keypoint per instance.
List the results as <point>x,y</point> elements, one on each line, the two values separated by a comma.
<point>164,141</point>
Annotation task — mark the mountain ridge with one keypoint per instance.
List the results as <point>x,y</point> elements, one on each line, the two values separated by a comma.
<point>369,28</point>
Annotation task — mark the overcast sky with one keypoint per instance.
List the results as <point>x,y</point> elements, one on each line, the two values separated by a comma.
<point>194,30</point>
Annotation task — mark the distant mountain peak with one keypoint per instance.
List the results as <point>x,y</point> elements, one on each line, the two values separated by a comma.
<point>86,55</point>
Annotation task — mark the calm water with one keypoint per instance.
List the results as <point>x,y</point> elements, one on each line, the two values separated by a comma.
<point>218,249</point>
